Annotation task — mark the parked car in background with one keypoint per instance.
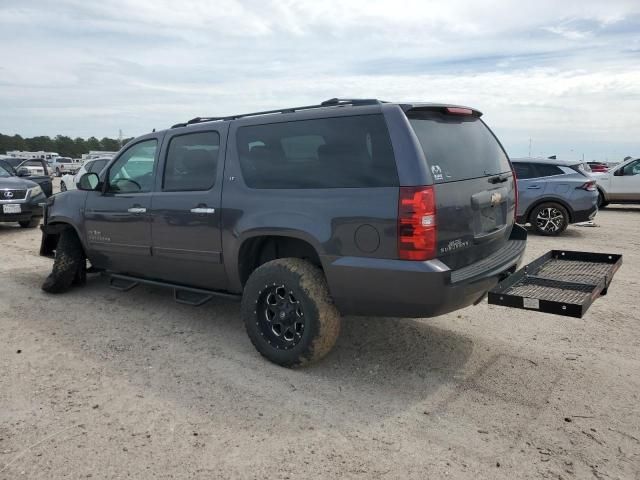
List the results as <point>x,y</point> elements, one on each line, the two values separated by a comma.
<point>598,167</point>
<point>621,184</point>
<point>68,181</point>
<point>554,193</point>
<point>62,165</point>
<point>35,167</point>
<point>13,165</point>
<point>20,199</point>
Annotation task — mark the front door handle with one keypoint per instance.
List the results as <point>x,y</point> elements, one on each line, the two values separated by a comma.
<point>137,210</point>
<point>204,210</point>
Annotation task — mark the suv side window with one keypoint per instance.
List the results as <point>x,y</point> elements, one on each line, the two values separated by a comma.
<point>192,162</point>
<point>524,170</point>
<point>96,166</point>
<point>545,170</point>
<point>133,171</point>
<point>339,152</point>
<point>632,169</point>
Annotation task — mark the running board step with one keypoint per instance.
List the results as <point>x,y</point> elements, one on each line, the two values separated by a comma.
<point>560,282</point>
<point>181,294</point>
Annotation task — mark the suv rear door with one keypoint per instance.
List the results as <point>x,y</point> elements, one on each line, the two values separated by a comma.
<point>186,236</point>
<point>473,183</point>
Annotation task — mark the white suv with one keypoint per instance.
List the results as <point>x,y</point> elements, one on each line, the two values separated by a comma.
<point>621,184</point>
<point>95,165</point>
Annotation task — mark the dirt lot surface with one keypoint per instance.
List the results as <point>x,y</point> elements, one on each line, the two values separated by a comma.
<point>101,384</point>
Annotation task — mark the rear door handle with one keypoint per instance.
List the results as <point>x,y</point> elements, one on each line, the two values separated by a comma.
<point>533,187</point>
<point>137,210</point>
<point>204,210</point>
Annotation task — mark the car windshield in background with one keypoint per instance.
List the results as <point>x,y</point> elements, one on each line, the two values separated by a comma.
<point>4,173</point>
<point>458,147</point>
<point>64,160</point>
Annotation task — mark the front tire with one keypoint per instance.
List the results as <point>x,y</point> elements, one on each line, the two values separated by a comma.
<point>549,219</point>
<point>288,312</point>
<point>63,187</point>
<point>69,266</point>
<point>33,223</point>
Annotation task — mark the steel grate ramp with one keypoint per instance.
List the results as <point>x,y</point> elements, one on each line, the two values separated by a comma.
<point>559,282</point>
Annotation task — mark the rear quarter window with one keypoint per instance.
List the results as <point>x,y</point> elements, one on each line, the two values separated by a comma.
<point>458,147</point>
<point>341,152</point>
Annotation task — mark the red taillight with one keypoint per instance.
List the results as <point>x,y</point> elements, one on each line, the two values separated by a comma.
<point>589,186</point>
<point>416,223</point>
<point>459,111</point>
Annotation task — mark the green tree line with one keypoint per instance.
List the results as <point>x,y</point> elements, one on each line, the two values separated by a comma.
<point>63,145</point>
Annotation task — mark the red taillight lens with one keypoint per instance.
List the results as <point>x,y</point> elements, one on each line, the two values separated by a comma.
<point>416,223</point>
<point>589,186</point>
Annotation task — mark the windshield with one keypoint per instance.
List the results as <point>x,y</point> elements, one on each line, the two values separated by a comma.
<point>458,147</point>
<point>4,173</point>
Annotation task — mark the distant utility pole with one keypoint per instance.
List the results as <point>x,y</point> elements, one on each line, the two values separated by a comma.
<point>529,146</point>
<point>120,137</point>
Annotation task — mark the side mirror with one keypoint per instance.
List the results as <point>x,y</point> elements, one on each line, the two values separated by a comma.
<point>88,181</point>
<point>23,172</point>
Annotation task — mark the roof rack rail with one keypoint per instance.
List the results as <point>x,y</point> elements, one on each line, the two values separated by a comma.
<point>332,102</point>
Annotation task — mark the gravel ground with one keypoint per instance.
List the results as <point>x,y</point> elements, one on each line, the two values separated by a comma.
<point>101,384</point>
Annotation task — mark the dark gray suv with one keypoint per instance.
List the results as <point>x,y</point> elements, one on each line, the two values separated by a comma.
<point>355,207</point>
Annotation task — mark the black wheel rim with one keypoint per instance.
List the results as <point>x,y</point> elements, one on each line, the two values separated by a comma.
<point>280,317</point>
<point>550,220</point>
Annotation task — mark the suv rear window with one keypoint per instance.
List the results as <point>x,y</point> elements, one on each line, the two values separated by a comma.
<point>457,147</point>
<point>341,152</point>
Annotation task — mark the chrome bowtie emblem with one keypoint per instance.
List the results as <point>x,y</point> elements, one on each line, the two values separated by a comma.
<point>8,194</point>
<point>495,198</point>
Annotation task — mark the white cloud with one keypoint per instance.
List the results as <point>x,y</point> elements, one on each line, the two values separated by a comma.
<point>558,71</point>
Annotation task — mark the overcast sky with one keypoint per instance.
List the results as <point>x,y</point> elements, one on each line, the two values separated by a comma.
<point>564,73</point>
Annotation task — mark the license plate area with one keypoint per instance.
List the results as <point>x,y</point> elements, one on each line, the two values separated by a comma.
<point>11,208</point>
<point>560,282</point>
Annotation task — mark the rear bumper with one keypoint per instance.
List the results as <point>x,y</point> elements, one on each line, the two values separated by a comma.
<point>399,288</point>
<point>585,215</point>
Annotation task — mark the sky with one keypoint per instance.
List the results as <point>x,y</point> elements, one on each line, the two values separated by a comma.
<point>551,77</point>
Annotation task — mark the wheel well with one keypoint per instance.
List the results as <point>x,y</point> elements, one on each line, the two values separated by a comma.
<point>550,200</point>
<point>52,236</point>
<point>602,192</point>
<point>257,251</point>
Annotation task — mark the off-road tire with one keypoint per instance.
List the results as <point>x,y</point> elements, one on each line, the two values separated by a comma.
<point>69,266</point>
<point>33,223</point>
<point>533,218</point>
<point>307,284</point>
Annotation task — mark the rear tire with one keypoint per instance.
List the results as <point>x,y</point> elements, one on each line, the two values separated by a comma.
<point>34,222</point>
<point>549,219</point>
<point>63,187</point>
<point>601,201</point>
<point>288,312</point>
<point>69,266</point>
